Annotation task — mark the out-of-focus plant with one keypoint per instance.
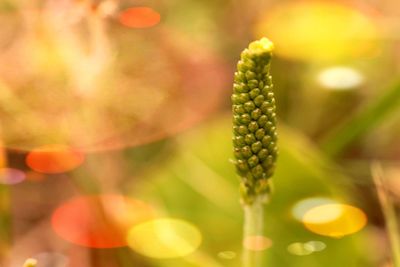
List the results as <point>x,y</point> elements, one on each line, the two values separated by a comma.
<point>254,130</point>
<point>388,210</point>
<point>363,121</point>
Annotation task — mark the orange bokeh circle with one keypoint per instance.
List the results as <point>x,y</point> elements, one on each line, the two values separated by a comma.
<point>139,17</point>
<point>99,221</point>
<point>54,159</point>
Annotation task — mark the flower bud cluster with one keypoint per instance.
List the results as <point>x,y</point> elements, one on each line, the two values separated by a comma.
<point>254,120</point>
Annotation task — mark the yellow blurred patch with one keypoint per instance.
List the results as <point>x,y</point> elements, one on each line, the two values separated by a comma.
<point>319,31</point>
<point>335,220</point>
<point>164,238</point>
<point>3,159</point>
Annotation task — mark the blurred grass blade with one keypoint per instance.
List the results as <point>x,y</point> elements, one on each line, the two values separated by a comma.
<point>360,123</point>
<point>388,210</point>
<point>205,180</point>
<point>5,222</point>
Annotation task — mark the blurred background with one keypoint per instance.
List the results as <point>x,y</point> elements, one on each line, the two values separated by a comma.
<point>116,132</point>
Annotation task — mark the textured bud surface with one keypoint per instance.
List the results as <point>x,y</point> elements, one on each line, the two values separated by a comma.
<point>254,120</point>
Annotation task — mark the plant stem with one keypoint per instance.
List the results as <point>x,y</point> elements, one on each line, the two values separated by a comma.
<point>253,226</point>
<point>388,210</point>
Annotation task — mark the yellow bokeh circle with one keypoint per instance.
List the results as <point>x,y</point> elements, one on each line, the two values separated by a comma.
<point>304,205</point>
<point>164,238</point>
<point>334,220</point>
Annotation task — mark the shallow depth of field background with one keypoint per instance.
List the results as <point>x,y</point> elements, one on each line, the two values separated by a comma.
<point>115,129</point>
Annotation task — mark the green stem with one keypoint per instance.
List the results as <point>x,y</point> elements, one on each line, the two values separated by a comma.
<point>388,210</point>
<point>253,226</point>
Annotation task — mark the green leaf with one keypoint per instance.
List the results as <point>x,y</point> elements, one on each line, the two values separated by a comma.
<point>360,123</point>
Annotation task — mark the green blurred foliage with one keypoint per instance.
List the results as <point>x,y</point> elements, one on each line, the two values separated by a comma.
<point>200,186</point>
<point>149,81</point>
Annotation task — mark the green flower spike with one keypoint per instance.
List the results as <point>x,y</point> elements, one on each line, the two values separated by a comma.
<point>254,121</point>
